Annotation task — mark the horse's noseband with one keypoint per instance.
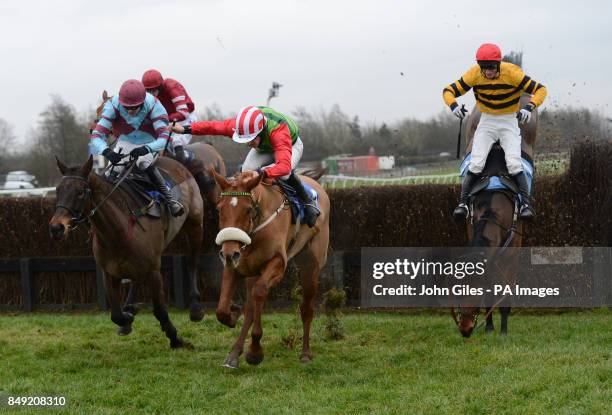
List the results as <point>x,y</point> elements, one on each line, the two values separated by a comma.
<point>78,217</point>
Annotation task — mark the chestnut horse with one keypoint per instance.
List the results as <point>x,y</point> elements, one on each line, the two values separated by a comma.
<point>257,240</point>
<point>493,223</point>
<point>124,250</point>
<point>206,157</point>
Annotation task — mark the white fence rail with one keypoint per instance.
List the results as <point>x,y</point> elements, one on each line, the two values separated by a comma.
<point>334,181</point>
<point>40,191</point>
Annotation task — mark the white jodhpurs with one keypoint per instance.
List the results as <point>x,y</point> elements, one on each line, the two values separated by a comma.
<point>255,159</point>
<point>183,139</point>
<point>124,147</point>
<point>497,128</point>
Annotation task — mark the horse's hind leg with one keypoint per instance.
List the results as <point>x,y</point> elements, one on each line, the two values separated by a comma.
<point>121,318</point>
<point>309,273</point>
<point>160,310</point>
<point>193,227</point>
<point>505,312</point>
<point>489,328</point>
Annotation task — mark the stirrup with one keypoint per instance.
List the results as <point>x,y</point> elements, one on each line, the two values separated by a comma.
<point>311,214</point>
<point>176,208</point>
<point>461,211</point>
<point>526,212</point>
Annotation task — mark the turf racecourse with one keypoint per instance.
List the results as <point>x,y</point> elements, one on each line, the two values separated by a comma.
<point>387,363</point>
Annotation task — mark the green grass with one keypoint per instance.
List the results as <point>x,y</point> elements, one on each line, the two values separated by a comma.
<point>388,363</point>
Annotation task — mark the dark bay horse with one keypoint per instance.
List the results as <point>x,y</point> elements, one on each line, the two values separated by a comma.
<point>257,240</point>
<point>206,157</point>
<point>123,248</point>
<point>493,222</point>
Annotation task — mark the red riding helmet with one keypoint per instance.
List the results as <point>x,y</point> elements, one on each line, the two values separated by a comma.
<point>489,52</point>
<point>152,79</point>
<point>132,93</point>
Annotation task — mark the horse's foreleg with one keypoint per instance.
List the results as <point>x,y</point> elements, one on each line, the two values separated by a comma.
<point>273,273</point>
<point>193,228</point>
<point>232,359</point>
<point>160,310</point>
<point>227,313</point>
<point>505,312</point>
<point>121,318</point>
<point>128,305</point>
<point>489,328</point>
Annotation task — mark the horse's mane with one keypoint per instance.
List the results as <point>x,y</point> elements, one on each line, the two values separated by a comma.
<point>315,174</point>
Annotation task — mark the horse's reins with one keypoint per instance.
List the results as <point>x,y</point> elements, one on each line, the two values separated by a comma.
<point>80,218</point>
<point>269,219</point>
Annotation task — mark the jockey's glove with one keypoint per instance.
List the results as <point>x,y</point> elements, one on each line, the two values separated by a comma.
<point>262,172</point>
<point>140,151</point>
<point>111,156</point>
<point>524,115</point>
<point>460,112</point>
<point>187,129</point>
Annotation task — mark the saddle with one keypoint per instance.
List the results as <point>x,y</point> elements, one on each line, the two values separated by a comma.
<point>297,208</point>
<point>144,193</point>
<point>495,176</point>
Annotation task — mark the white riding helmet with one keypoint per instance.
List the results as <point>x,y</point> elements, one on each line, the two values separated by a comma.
<point>249,122</point>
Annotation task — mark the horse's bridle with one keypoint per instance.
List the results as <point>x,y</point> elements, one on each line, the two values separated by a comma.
<point>253,228</point>
<point>78,217</point>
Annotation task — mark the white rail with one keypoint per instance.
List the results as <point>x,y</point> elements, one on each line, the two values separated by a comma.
<point>40,191</point>
<point>353,181</point>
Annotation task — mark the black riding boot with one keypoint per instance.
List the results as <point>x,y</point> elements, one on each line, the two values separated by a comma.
<point>181,155</point>
<point>311,212</point>
<point>176,208</point>
<point>526,210</point>
<point>205,183</point>
<point>461,211</point>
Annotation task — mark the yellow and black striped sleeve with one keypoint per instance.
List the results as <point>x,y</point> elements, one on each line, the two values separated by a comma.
<point>537,90</point>
<point>456,89</point>
<point>534,88</point>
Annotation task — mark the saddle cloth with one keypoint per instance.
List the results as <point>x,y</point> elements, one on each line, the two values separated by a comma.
<point>297,208</point>
<point>145,194</point>
<point>494,176</point>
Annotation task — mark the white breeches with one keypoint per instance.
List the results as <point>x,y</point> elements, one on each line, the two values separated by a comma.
<point>497,128</point>
<point>255,159</point>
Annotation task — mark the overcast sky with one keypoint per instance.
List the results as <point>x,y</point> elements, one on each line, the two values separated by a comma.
<point>323,51</point>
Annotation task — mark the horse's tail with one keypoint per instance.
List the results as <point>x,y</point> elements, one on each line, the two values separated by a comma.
<point>314,174</point>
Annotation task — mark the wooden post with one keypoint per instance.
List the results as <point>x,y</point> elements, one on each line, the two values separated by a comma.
<point>101,288</point>
<point>178,279</point>
<point>27,284</point>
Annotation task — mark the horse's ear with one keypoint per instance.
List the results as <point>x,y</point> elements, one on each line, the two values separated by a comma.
<point>221,181</point>
<point>86,168</point>
<point>61,166</point>
<point>251,182</point>
<point>104,95</point>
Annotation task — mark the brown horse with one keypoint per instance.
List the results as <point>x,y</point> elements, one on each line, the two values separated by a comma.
<point>206,157</point>
<point>124,250</point>
<point>493,223</point>
<point>257,239</point>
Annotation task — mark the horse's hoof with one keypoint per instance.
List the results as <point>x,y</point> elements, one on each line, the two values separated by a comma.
<point>124,330</point>
<point>254,359</point>
<point>231,362</point>
<point>131,309</point>
<point>504,332</point>
<point>306,358</point>
<point>196,314</point>
<point>489,330</point>
<point>180,343</point>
